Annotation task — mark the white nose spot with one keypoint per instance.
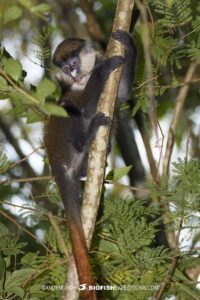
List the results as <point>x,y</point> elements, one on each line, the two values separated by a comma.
<point>73,73</point>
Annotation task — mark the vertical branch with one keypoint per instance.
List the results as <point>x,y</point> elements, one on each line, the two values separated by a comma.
<point>182,95</point>
<point>173,241</point>
<point>171,270</point>
<point>148,66</point>
<point>146,141</point>
<point>179,106</point>
<point>97,156</point>
<point>180,101</point>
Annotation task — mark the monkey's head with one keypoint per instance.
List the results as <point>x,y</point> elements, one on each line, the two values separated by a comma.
<point>76,59</point>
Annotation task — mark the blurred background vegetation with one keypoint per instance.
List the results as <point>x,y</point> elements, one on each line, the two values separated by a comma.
<point>148,228</point>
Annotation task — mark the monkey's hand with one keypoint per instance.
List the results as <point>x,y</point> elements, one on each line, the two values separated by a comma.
<point>114,62</point>
<point>124,38</point>
<point>100,119</point>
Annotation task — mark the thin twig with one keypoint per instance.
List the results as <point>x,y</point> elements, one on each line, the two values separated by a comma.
<point>35,210</point>
<point>132,188</point>
<point>174,86</point>
<point>167,280</point>
<point>187,145</point>
<point>34,103</point>
<point>25,158</point>
<point>161,152</point>
<point>5,127</point>
<point>145,138</point>
<point>30,179</point>
<point>14,85</point>
<point>24,229</point>
<point>185,289</point>
<point>59,235</point>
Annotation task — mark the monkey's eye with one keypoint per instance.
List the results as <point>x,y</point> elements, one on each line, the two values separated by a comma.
<point>74,63</point>
<point>65,68</point>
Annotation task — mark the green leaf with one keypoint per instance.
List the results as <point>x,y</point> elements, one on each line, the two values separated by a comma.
<point>108,247</point>
<point>18,277</point>
<point>19,110</point>
<point>25,3</point>
<point>18,291</point>
<point>118,173</point>
<point>4,163</point>
<point>3,88</point>
<point>13,68</point>
<point>45,88</point>
<point>54,109</point>
<point>12,13</point>
<point>35,288</point>
<point>52,192</point>
<point>19,98</point>
<point>32,117</point>
<point>41,8</point>
<point>3,229</point>
<point>3,84</point>
<point>3,96</point>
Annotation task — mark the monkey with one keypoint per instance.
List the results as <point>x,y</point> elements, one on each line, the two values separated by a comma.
<point>82,77</point>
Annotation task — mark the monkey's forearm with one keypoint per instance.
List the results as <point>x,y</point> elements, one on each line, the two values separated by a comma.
<point>98,80</point>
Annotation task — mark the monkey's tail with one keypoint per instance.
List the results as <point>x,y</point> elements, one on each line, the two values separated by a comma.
<point>71,192</point>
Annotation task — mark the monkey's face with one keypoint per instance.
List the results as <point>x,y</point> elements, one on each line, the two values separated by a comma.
<point>77,64</point>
